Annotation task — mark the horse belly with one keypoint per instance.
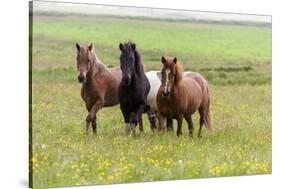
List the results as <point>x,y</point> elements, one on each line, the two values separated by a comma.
<point>194,97</point>
<point>111,95</point>
<point>192,108</point>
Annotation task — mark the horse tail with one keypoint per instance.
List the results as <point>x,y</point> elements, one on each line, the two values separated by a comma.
<point>207,117</point>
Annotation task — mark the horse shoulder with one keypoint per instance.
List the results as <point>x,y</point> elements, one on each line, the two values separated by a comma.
<point>180,96</point>
<point>107,88</point>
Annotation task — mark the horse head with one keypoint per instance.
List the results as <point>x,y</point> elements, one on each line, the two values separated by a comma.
<point>127,61</point>
<point>171,73</point>
<point>84,60</point>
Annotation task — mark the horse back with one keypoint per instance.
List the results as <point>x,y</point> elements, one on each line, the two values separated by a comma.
<point>197,90</point>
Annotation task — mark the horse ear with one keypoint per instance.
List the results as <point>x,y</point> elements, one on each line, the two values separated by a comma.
<point>77,46</point>
<point>175,60</point>
<point>163,59</point>
<point>133,46</point>
<point>90,46</point>
<point>121,46</point>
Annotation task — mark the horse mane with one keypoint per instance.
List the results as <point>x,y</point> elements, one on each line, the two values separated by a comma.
<point>178,72</point>
<point>98,67</point>
<point>138,62</point>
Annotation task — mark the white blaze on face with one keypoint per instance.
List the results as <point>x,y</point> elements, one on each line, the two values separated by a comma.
<point>83,73</point>
<point>167,80</point>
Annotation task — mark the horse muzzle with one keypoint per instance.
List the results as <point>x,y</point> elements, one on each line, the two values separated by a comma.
<point>166,93</point>
<point>81,78</point>
<point>126,81</point>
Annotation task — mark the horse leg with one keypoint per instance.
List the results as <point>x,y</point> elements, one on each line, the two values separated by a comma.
<point>87,125</point>
<point>94,124</point>
<point>160,121</point>
<point>179,130</point>
<point>190,125</point>
<point>141,125</point>
<point>138,114</point>
<point>126,119</point>
<point>92,114</point>
<point>151,118</point>
<point>170,127</point>
<point>202,120</point>
<point>136,118</point>
<point>87,121</point>
<point>132,125</point>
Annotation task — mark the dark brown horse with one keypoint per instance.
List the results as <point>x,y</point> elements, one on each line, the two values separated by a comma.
<point>99,83</point>
<point>181,96</point>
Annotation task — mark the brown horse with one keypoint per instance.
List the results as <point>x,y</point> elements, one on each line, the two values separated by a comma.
<point>181,96</point>
<point>99,83</point>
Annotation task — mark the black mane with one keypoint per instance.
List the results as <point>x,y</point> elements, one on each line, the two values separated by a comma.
<point>138,62</point>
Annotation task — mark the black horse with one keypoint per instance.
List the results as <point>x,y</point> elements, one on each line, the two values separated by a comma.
<point>134,86</point>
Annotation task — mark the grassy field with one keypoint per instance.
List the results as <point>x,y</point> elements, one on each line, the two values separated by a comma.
<point>235,59</point>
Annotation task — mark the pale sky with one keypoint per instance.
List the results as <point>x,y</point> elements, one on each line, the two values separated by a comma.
<point>155,13</point>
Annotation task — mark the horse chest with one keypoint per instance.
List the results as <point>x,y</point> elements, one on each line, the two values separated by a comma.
<point>171,107</point>
<point>130,98</point>
<point>168,109</point>
<point>89,94</point>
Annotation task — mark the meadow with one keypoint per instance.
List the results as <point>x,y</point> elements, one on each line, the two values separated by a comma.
<point>235,59</point>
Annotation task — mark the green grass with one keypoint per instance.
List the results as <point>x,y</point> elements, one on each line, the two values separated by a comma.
<point>236,60</point>
<point>54,41</point>
<point>64,155</point>
<point>229,76</point>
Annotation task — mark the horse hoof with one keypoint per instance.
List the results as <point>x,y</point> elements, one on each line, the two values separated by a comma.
<point>128,128</point>
<point>179,134</point>
<point>135,121</point>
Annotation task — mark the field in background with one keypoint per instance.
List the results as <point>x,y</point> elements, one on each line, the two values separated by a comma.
<point>235,59</point>
<point>225,54</point>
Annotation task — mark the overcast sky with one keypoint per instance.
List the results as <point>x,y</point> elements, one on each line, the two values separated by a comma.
<point>155,13</point>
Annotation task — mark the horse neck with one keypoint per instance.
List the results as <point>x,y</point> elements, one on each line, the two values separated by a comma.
<point>177,86</point>
<point>135,78</point>
<point>95,68</point>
